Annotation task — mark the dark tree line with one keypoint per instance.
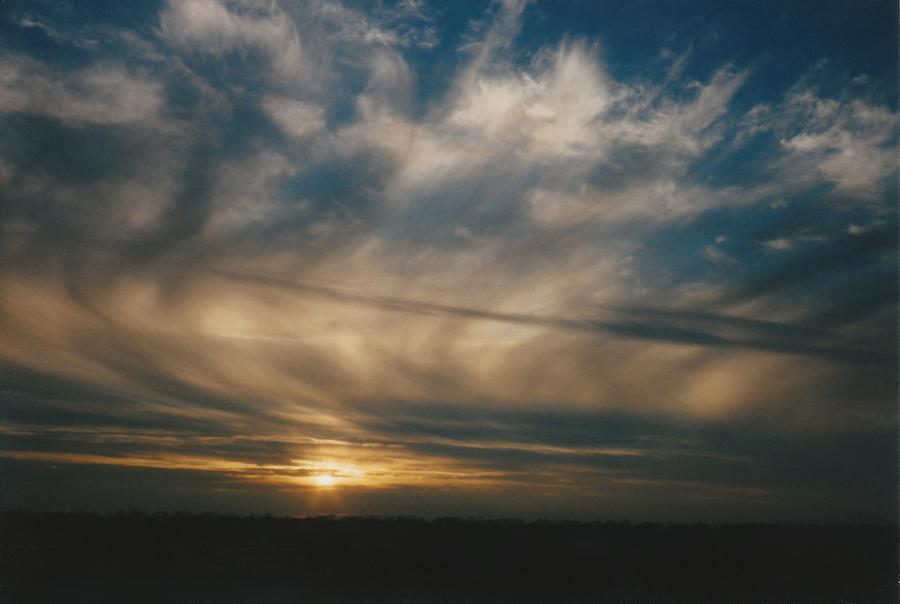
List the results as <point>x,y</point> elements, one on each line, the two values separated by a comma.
<point>137,557</point>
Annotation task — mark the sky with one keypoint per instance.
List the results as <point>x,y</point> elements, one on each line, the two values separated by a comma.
<point>626,260</point>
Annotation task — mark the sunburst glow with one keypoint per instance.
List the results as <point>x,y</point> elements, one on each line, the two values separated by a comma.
<point>324,480</point>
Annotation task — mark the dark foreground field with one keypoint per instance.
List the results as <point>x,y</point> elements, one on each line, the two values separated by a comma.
<point>189,558</point>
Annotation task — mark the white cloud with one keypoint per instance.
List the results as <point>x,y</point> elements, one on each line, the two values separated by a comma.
<point>214,27</point>
<point>80,38</point>
<point>845,142</point>
<point>487,49</point>
<point>543,130</point>
<point>102,94</point>
<point>551,112</point>
<point>779,244</point>
<point>296,118</point>
<point>717,256</point>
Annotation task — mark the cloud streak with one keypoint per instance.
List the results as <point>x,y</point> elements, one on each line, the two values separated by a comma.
<point>666,325</point>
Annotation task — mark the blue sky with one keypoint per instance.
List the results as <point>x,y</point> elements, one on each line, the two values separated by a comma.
<point>569,259</point>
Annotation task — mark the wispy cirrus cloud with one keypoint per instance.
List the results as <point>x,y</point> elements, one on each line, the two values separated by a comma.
<point>267,241</point>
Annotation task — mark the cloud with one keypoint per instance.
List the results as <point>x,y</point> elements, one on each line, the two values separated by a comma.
<point>296,118</point>
<point>57,35</point>
<point>281,239</point>
<point>101,94</point>
<point>561,136</point>
<point>778,244</point>
<point>500,31</point>
<point>552,112</point>
<point>717,256</point>
<point>669,326</point>
<point>210,27</point>
<point>845,142</point>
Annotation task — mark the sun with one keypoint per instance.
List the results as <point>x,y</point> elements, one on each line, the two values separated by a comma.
<point>324,480</point>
